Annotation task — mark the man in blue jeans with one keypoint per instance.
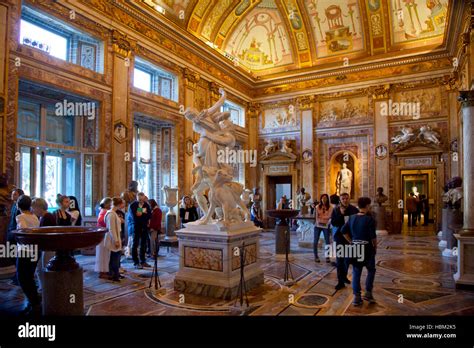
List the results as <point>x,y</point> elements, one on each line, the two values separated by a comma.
<point>360,229</point>
<point>140,210</point>
<point>339,216</point>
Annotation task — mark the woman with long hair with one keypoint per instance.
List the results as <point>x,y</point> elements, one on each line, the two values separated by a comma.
<point>188,211</point>
<point>74,211</point>
<point>322,214</point>
<point>102,254</point>
<point>63,218</point>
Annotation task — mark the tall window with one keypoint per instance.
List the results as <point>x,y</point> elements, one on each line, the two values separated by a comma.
<point>52,36</point>
<point>142,166</point>
<point>153,79</point>
<point>237,112</point>
<point>57,151</point>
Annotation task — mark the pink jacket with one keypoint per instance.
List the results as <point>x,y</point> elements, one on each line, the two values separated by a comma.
<point>323,215</point>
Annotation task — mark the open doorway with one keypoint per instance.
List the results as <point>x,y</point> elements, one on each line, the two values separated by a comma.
<point>420,202</point>
<point>277,186</point>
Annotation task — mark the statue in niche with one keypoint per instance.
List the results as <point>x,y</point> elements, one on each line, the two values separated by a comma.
<point>270,147</point>
<point>216,134</point>
<point>286,148</point>
<point>344,180</point>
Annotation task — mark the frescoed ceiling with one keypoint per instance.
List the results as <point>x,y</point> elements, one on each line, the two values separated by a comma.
<point>274,38</point>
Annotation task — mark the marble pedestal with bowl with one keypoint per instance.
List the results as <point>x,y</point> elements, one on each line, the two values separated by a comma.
<point>63,277</point>
<point>209,262</point>
<point>305,231</point>
<point>282,230</point>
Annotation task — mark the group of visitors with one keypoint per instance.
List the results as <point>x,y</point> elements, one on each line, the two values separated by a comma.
<point>349,226</point>
<point>27,212</point>
<point>415,205</point>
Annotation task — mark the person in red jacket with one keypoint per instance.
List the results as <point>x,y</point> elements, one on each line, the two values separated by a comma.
<point>155,227</point>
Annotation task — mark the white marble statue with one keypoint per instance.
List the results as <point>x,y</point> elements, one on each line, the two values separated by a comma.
<point>429,135</point>
<point>344,180</point>
<point>285,147</point>
<point>270,147</point>
<point>406,136</point>
<point>216,131</point>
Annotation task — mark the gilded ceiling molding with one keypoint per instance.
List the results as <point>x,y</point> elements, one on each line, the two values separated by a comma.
<point>466,98</point>
<point>122,44</point>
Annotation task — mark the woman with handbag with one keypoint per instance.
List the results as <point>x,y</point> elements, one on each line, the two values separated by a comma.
<point>323,213</point>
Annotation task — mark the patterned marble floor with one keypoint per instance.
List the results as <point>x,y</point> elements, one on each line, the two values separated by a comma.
<point>412,279</point>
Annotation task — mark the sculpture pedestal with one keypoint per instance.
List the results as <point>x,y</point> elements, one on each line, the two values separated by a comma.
<point>209,262</point>
<point>379,212</point>
<point>67,299</point>
<point>454,221</point>
<point>170,227</point>
<point>444,228</point>
<point>464,277</point>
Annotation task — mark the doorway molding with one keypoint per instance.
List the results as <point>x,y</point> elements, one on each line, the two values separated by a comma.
<point>417,158</point>
<point>278,164</point>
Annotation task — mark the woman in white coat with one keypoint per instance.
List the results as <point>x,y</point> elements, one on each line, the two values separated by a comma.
<point>113,240</point>
<point>102,254</point>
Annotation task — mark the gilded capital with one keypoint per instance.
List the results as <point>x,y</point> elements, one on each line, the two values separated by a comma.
<point>190,77</point>
<point>253,109</point>
<point>122,44</point>
<point>305,102</point>
<point>214,89</point>
<point>380,92</point>
<point>466,98</point>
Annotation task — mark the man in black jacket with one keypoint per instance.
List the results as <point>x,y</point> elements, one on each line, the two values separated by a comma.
<point>140,210</point>
<point>339,217</point>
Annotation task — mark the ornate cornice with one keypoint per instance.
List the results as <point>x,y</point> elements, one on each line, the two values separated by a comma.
<point>466,98</point>
<point>122,44</point>
<point>214,89</point>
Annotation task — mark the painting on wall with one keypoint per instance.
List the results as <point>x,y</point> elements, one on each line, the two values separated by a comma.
<point>418,19</point>
<point>261,41</point>
<point>337,26</point>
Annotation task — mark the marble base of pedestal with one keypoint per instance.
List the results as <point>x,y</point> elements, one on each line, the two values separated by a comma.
<point>464,277</point>
<point>444,224</point>
<point>63,292</point>
<point>209,262</point>
<point>282,239</point>
<point>170,227</point>
<point>454,220</point>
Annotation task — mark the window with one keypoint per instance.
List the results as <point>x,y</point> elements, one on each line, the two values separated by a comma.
<point>142,80</point>
<point>237,113</point>
<point>60,40</point>
<point>151,78</point>
<point>36,36</point>
<point>142,165</point>
<point>53,145</point>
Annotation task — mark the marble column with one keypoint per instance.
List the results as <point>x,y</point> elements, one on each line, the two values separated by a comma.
<point>465,252</point>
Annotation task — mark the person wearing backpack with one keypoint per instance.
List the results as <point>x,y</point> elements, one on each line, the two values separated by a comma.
<point>360,229</point>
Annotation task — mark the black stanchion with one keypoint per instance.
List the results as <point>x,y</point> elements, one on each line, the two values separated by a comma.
<point>154,275</point>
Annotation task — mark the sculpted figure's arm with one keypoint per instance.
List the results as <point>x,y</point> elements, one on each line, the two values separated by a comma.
<point>225,139</point>
<point>217,106</point>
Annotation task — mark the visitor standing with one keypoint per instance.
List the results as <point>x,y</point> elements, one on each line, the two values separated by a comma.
<point>102,254</point>
<point>155,227</point>
<point>360,231</point>
<point>187,212</point>
<point>339,217</point>
<point>113,239</point>
<point>63,218</point>
<point>141,212</point>
<point>322,221</point>
<point>74,211</point>
<point>412,208</point>
<point>16,193</point>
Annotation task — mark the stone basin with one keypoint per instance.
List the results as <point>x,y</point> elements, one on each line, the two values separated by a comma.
<point>62,279</point>
<point>61,237</point>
